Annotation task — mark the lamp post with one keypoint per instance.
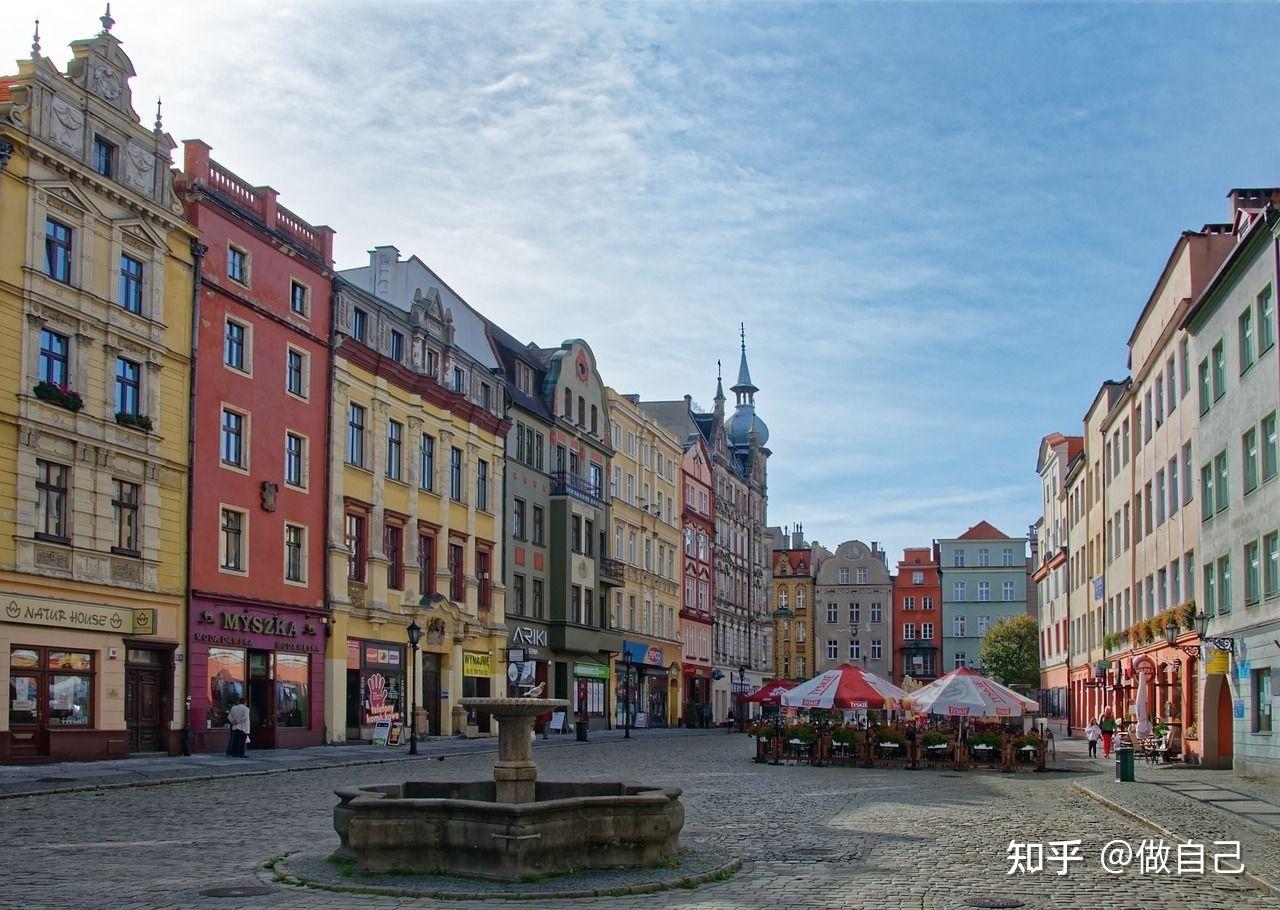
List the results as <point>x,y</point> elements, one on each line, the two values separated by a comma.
<point>415,633</point>
<point>742,697</point>
<point>626,702</point>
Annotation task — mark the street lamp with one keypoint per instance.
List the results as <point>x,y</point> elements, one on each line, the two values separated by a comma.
<point>626,703</point>
<point>742,697</point>
<point>415,633</point>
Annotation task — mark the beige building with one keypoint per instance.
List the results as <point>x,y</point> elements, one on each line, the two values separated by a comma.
<point>645,490</point>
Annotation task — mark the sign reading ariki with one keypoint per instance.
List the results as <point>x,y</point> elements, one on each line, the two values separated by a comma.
<point>42,611</point>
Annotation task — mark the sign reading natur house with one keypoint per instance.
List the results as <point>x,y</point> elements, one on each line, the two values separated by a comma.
<point>41,611</point>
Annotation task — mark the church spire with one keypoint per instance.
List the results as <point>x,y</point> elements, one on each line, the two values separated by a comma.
<point>719,399</point>
<point>744,388</point>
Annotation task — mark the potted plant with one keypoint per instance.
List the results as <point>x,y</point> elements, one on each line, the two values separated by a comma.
<point>1192,731</point>
<point>932,738</point>
<point>1135,635</point>
<point>137,421</point>
<point>1187,615</point>
<point>60,394</point>
<point>844,736</point>
<point>984,739</point>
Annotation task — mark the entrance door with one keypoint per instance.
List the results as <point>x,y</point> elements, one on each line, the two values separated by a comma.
<point>142,716</point>
<point>262,712</point>
<point>431,691</point>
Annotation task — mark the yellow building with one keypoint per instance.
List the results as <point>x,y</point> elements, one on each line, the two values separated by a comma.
<point>96,279</point>
<point>792,600</point>
<point>645,493</point>
<point>415,519</point>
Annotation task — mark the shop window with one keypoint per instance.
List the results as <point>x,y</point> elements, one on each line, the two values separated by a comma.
<point>1262,700</point>
<point>226,676</point>
<point>50,688</point>
<point>293,690</point>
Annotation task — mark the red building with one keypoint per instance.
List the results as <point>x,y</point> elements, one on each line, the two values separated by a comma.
<point>917,615</point>
<point>258,621</point>
<point>698,507</point>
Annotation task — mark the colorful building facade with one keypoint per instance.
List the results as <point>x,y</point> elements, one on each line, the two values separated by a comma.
<point>96,278</point>
<point>984,580</point>
<point>917,616</point>
<point>697,574</point>
<point>258,617</point>
<point>853,613</point>
<point>795,569</point>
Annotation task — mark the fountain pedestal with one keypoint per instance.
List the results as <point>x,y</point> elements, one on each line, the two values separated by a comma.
<point>514,774</point>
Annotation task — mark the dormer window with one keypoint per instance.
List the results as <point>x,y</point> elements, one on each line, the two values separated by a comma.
<point>433,363</point>
<point>359,324</point>
<point>104,157</point>
<point>459,380</point>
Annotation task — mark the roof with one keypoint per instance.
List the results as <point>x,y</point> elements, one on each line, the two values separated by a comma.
<point>983,530</point>
<point>509,349</point>
<point>798,561</point>
<point>674,415</point>
<point>1269,215</point>
<point>6,88</point>
<point>1074,444</point>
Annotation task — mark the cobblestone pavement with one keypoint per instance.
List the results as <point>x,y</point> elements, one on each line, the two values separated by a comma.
<point>852,838</point>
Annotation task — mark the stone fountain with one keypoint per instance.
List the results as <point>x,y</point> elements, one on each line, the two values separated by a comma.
<point>513,826</point>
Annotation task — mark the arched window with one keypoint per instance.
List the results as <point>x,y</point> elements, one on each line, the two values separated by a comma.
<point>782,598</point>
<point>799,598</point>
<point>594,427</point>
<point>582,411</point>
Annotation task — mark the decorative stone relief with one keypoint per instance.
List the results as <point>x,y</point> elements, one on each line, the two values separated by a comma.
<point>66,124</point>
<point>106,83</point>
<point>139,164</point>
<point>53,558</point>
<point>126,570</point>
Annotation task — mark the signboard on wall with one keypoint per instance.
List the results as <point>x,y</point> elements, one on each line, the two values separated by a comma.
<point>637,652</point>
<point>45,611</point>
<point>476,663</point>
<point>1217,660</point>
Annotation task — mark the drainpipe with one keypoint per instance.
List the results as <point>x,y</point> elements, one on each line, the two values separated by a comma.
<point>198,251</point>
<point>327,582</point>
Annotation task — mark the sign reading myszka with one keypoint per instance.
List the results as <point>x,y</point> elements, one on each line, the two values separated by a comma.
<point>476,663</point>
<point>43,611</point>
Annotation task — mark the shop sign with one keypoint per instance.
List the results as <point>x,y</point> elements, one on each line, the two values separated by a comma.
<point>386,657</point>
<point>353,654</point>
<point>1217,660</point>
<point>43,611</point>
<point>637,652</point>
<point>1099,588</point>
<point>476,663</point>
<point>258,624</point>
<point>528,635</point>
<point>591,671</point>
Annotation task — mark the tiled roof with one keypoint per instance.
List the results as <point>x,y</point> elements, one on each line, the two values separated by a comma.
<point>983,530</point>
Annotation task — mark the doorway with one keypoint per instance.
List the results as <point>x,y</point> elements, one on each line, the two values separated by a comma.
<point>262,715</point>
<point>144,699</point>
<point>431,691</point>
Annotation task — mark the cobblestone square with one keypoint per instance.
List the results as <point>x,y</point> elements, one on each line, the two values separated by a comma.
<point>807,837</point>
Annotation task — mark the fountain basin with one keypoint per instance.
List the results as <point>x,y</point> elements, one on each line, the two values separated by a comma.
<point>459,828</point>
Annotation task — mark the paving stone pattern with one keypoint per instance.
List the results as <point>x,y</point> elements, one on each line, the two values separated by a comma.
<point>851,838</point>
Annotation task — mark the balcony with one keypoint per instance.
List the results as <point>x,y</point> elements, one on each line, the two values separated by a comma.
<point>565,484</point>
<point>612,571</point>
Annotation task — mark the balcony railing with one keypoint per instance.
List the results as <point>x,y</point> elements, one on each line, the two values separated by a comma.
<point>612,570</point>
<point>565,484</point>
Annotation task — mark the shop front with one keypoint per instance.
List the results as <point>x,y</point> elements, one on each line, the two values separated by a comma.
<point>271,658</point>
<point>697,695</point>
<point>643,686</point>
<point>375,686</point>
<point>86,681</point>
<point>477,670</point>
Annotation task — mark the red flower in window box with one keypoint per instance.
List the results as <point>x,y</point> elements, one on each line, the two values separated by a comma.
<point>59,393</point>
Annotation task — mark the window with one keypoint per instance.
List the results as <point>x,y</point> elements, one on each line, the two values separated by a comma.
<point>1175,583</point>
<point>482,485</point>
<point>294,546</point>
<point>457,573</point>
<point>844,576</point>
<point>295,372</point>
<point>984,556</point>
<point>1224,583</point>
<point>1271,564</point>
<point>926,631</point>
<point>426,564</point>
<point>1220,469</point>
<point>958,591</point>
<point>537,526</point>
<point>588,545</point>
<point>460,381</point>
<point>908,631</point>
<point>1206,491</point>
<point>908,603</point>
<point>855,614</point>
<point>957,626</point>
<point>1206,394</point>
<point>428,466</point>
<point>1158,407</point>
<point>984,590</point>
<point>536,599</point>
<point>1007,557</point>
<point>54,349</point>
<point>1184,365</point>
<point>926,603</point>
<point>294,446</point>
<point>104,157</point>
<point>455,474</point>
<point>51,500</point>
<point>1188,478</point>
<point>1269,462</point>
<point>1171,384</point>
<point>232,548</point>
<point>984,623</point>
<point>233,438</point>
<point>130,284</point>
<point>359,324</point>
<point>833,650</point>
<point>1261,700</point>
<point>397,346</point>
<point>1210,588</point>
<point>1172,473</point>
<point>960,660</point>
<point>876,612</point>
<point>1006,593</point>
<point>124,508</point>
<point>57,251</point>
<point>1252,574</point>
<point>862,576</point>
<point>237,265</point>
<point>517,595</point>
<point>1249,459</point>
<point>957,559</point>
<point>393,543</point>
<point>62,699</point>
<point>517,518</point>
<point>877,649</point>
<point>1245,328</point>
<point>233,346</point>
<point>298,298</point>
<point>486,396</point>
<point>1219,370</point>
<point>1160,497</point>
<point>395,445</point>
<point>833,614</point>
<point>1266,321</point>
<point>917,578</point>
<point>128,386</point>
<point>353,536</point>
<point>355,435</point>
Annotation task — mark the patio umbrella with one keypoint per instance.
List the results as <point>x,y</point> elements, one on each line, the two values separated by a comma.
<point>770,694</point>
<point>846,687</point>
<point>967,693</point>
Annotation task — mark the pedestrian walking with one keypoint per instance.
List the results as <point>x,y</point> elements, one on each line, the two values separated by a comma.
<point>1108,727</point>
<point>1093,733</point>
<point>238,718</point>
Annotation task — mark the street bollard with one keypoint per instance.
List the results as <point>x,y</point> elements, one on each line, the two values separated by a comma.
<point>1124,764</point>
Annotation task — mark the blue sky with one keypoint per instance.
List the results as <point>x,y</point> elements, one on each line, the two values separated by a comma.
<point>939,221</point>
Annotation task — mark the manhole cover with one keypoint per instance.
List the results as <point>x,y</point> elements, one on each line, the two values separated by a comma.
<point>238,891</point>
<point>993,902</point>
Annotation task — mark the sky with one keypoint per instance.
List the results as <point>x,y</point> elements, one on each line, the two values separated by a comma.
<point>938,222</point>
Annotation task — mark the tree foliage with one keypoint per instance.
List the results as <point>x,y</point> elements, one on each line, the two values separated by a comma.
<point>1011,651</point>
